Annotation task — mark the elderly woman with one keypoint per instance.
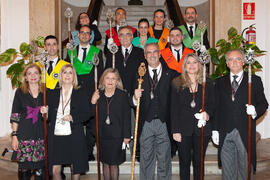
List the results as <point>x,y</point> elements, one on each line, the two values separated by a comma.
<point>114,122</point>
<point>144,37</point>
<point>27,125</point>
<point>83,19</point>
<point>68,109</point>
<point>186,116</point>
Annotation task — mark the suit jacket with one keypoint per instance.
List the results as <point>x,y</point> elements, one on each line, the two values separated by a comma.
<point>182,115</point>
<point>106,50</point>
<point>88,81</point>
<point>163,95</point>
<point>232,114</point>
<point>80,112</point>
<point>119,113</point>
<point>128,72</point>
<point>205,36</point>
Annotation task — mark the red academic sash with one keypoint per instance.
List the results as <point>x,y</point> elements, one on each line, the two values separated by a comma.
<point>171,61</point>
<point>115,35</point>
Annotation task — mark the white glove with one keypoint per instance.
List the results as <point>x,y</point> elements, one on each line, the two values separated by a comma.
<point>215,137</point>
<point>110,42</point>
<point>199,116</point>
<point>251,111</point>
<point>203,48</point>
<point>201,123</point>
<point>124,146</point>
<point>95,22</point>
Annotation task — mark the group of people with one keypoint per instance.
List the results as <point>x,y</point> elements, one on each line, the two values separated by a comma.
<point>170,117</point>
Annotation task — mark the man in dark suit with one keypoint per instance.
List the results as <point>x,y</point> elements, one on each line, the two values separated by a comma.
<point>232,110</point>
<point>120,15</point>
<point>190,30</point>
<point>154,117</point>
<point>55,63</point>
<point>175,53</point>
<point>83,64</point>
<point>127,58</point>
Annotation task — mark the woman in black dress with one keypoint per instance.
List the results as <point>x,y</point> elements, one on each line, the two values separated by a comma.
<point>114,122</point>
<point>27,125</point>
<point>68,109</point>
<point>186,116</point>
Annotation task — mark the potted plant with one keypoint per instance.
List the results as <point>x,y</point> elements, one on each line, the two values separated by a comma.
<point>26,55</point>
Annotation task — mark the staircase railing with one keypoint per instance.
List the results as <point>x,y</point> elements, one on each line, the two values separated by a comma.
<point>174,12</point>
<point>94,10</point>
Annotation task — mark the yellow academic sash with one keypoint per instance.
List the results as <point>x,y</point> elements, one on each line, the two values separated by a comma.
<point>52,79</point>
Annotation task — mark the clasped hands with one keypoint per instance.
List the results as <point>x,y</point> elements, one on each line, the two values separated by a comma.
<point>45,110</point>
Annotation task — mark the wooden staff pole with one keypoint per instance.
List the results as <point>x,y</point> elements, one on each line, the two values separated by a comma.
<point>141,71</point>
<point>202,128</point>
<point>249,122</point>
<point>96,62</point>
<point>45,124</point>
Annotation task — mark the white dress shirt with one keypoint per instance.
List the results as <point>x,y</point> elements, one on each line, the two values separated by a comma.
<point>124,50</point>
<point>175,53</point>
<point>239,78</point>
<point>80,55</point>
<point>193,29</point>
<point>53,64</point>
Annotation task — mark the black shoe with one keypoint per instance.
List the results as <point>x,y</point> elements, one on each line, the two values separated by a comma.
<point>91,157</point>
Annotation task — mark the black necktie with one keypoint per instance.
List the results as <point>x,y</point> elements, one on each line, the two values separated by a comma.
<point>235,84</point>
<point>191,31</point>
<point>155,78</point>
<point>126,56</point>
<point>50,67</point>
<point>178,54</point>
<point>84,54</point>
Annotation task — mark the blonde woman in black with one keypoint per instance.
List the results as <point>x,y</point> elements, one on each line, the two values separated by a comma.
<point>186,116</point>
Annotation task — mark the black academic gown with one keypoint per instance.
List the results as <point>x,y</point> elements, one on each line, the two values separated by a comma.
<point>232,114</point>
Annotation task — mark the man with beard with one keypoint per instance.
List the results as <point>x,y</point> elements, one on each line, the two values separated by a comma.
<point>174,55</point>
<point>190,30</point>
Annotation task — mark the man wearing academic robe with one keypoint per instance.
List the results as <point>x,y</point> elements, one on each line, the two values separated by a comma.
<point>54,62</point>
<point>83,56</point>
<point>158,30</point>
<point>174,55</point>
<point>190,29</point>
<point>120,15</point>
<point>232,110</point>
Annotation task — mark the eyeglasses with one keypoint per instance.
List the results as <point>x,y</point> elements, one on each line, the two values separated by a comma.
<point>85,32</point>
<point>125,35</point>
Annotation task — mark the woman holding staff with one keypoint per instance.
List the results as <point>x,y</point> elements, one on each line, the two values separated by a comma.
<point>27,126</point>
<point>114,122</point>
<point>186,115</point>
<point>68,109</point>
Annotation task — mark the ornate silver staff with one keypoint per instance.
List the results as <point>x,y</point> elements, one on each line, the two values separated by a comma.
<point>196,46</point>
<point>95,63</point>
<point>68,14</point>
<point>249,59</point>
<point>204,58</point>
<point>169,24</point>
<point>71,46</point>
<point>44,62</point>
<point>202,26</point>
<point>109,16</point>
<point>33,49</point>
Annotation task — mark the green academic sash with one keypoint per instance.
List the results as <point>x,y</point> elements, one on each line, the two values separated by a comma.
<point>87,66</point>
<point>187,41</point>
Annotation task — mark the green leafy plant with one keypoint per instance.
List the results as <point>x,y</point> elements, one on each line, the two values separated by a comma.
<point>19,60</point>
<point>235,41</point>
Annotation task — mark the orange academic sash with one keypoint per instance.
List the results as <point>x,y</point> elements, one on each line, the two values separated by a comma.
<point>163,38</point>
<point>171,61</point>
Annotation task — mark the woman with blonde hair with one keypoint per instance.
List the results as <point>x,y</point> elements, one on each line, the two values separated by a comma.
<point>68,108</point>
<point>186,116</point>
<point>114,122</point>
<point>27,125</point>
